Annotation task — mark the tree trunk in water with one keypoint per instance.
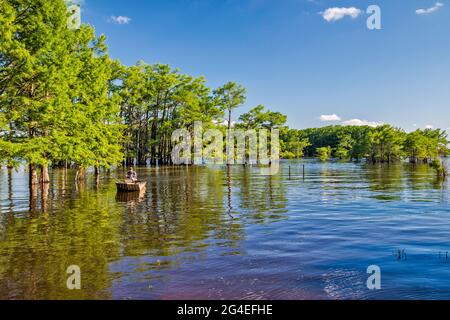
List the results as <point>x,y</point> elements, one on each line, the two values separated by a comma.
<point>33,188</point>
<point>45,177</point>
<point>64,181</point>
<point>142,161</point>
<point>44,197</point>
<point>153,136</point>
<point>10,189</point>
<point>33,198</point>
<point>80,175</point>
<point>97,176</point>
<point>129,162</point>
<point>33,175</point>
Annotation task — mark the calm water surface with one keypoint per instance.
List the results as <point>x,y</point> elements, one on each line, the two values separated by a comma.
<point>213,233</point>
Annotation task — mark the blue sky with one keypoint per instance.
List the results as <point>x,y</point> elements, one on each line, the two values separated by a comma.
<point>291,59</point>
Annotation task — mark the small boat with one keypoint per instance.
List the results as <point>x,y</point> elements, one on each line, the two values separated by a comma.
<point>128,186</point>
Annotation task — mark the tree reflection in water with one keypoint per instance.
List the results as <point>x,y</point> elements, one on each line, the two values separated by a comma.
<point>211,228</point>
<point>184,210</point>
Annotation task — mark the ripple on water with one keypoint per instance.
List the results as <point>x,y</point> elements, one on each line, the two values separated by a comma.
<point>202,233</point>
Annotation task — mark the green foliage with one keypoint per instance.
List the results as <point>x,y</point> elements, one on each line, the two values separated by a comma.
<point>386,144</point>
<point>441,170</point>
<point>229,97</point>
<point>259,118</point>
<point>345,147</point>
<point>324,153</point>
<point>293,144</point>
<point>421,146</point>
<point>55,98</point>
<point>349,142</point>
<point>63,99</point>
<point>157,100</point>
<point>361,142</point>
<point>383,144</point>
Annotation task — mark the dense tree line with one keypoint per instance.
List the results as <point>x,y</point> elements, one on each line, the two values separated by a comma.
<point>156,100</point>
<point>65,102</point>
<point>382,144</point>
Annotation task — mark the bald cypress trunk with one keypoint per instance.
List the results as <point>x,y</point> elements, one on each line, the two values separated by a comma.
<point>33,175</point>
<point>80,175</point>
<point>33,185</point>
<point>44,197</point>
<point>97,176</point>
<point>45,177</point>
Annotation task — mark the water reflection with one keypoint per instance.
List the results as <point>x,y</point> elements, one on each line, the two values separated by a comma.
<point>131,198</point>
<point>199,232</point>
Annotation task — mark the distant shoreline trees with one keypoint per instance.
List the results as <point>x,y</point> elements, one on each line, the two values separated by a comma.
<point>382,144</point>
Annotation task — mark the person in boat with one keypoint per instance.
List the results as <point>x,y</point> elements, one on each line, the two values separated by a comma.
<point>132,175</point>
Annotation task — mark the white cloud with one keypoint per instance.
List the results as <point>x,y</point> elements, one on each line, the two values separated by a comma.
<point>329,118</point>
<point>435,8</point>
<point>119,19</point>
<point>359,123</point>
<point>429,126</point>
<point>335,14</point>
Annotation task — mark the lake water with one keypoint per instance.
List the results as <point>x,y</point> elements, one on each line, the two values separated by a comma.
<point>213,233</point>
